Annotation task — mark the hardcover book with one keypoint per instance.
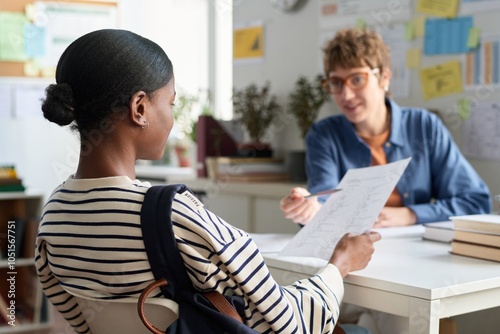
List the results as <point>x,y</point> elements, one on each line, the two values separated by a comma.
<point>487,239</point>
<point>475,250</point>
<point>213,140</point>
<point>481,222</point>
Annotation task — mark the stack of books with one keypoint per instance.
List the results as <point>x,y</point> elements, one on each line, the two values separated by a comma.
<point>238,169</point>
<point>477,236</point>
<point>439,231</point>
<point>9,180</point>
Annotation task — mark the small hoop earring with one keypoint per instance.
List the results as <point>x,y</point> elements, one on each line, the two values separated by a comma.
<point>386,89</point>
<point>145,126</point>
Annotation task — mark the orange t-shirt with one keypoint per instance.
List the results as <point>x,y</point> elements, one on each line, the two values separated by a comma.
<point>376,144</point>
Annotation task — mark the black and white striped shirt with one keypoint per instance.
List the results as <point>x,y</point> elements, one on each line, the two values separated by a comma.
<point>90,244</point>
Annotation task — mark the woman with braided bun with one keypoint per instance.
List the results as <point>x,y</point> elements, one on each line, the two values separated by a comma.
<point>116,89</point>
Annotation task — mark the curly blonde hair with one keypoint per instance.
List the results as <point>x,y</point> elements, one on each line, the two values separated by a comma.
<point>356,48</point>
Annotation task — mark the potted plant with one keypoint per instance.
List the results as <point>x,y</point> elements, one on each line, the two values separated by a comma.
<point>256,109</point>
<point>185,121</point>
<point>304,103</point>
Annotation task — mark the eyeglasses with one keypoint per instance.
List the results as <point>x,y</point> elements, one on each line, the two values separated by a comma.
<point>355,81</point>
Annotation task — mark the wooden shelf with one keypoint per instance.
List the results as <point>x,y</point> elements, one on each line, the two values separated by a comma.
<point>24,262</point>
<point>33,313</point>
<point>28,328</point>
<point>8,195</point>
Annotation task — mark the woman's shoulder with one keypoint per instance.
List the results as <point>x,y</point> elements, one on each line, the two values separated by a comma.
<point>109,187</point>
<point>328,123</point>
<point>332,119</point>
<point>417,114</point>
<point>189,211</point>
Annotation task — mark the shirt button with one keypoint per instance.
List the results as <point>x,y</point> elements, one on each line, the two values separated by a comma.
<point>387,144</point>
<point>405,195</point>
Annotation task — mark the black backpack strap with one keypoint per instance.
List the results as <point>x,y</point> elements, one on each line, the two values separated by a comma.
<point>159,239</point>
<point>199,314</point>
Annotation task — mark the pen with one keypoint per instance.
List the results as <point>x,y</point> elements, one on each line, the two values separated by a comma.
<point>324,192</point>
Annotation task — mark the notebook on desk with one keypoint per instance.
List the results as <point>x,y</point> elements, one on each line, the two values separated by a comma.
<point>411,231</point>
<point>439,231</point>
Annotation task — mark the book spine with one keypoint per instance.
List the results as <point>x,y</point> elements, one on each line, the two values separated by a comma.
<point>212,140</point>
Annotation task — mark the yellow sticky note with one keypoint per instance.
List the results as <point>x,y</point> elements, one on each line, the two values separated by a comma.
<point>409,31</point>
<point>31,69</point>
<point>30,11</point>
<point>248,42</point>
<point>48,72</point>
<point>441,80</point>
<point>473,39</point>
<point>441,8</point>
<point>361,23</point>
<point>419,26</point>
<point>413,58</point>
<point>464,108</point>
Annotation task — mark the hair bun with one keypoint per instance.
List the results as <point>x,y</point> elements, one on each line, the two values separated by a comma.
<point>58,106</point>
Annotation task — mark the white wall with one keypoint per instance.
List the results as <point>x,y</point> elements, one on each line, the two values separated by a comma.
<point>44,153</point>
<point>292,49</point>
<point>179,27</point>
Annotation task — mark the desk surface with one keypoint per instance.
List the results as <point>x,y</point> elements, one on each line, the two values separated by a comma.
<point>412,267</point>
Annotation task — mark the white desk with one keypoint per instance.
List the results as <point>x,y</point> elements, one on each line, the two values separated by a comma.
<point>251,206</point>
<point>412,278</point>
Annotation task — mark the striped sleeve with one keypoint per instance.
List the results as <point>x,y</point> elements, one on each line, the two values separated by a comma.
<point>307,306</point>
<point>64,302</point>
<point>219,256</point>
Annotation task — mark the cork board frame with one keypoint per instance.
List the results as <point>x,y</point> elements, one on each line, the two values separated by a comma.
<point>16,69</point>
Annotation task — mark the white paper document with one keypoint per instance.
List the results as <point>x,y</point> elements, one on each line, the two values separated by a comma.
<point>352,210</point>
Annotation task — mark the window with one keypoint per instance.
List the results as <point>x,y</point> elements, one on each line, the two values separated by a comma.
<point>197,36</point>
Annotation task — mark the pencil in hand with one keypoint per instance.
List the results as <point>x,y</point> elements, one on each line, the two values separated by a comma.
<point>324,192</point>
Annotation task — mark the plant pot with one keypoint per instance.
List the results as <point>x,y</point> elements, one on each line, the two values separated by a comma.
<point>297,166</point>
<point>182,154</point>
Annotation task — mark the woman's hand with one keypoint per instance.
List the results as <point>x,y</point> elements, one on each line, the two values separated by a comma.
<point>395,216</point>
<point>353,252</point>
<point>297,208</point>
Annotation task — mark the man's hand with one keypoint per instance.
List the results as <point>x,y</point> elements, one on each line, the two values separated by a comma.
<point>297,208</point>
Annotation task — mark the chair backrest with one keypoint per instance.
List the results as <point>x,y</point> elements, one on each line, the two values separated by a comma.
<point>121,316</point>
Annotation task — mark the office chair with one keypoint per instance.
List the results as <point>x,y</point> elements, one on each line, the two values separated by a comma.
<point>121,316</point>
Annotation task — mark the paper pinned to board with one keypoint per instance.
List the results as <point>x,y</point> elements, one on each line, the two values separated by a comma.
<point>354,209</point>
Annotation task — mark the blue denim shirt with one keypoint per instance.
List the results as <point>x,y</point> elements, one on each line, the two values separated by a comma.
<point>438,183</point>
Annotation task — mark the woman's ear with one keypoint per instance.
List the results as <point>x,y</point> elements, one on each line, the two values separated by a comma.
<point>137,108</point>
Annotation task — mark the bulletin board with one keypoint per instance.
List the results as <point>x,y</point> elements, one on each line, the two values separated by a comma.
<point>28,48</point>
